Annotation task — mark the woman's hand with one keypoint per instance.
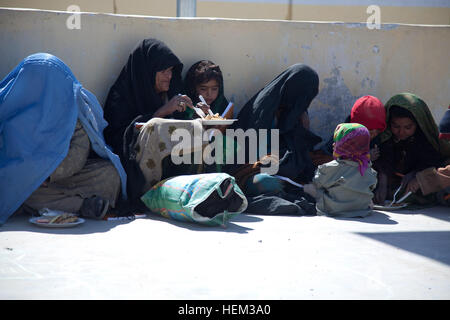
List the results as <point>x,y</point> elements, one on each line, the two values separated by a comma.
<point>304,120</point>
<point>177,103</point>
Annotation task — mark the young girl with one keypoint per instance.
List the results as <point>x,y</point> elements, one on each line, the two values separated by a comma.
<point>343,187</point>
<point>409,144</point>
<point>205,78</point>
<point>370,112</point>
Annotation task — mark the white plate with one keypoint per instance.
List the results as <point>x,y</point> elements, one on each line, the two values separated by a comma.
<point>56,225</point>
<point>218,122</point>
<point>387,207</point>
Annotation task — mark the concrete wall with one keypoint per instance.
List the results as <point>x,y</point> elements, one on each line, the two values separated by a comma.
<point>351,59</point>
<point>392,11</point>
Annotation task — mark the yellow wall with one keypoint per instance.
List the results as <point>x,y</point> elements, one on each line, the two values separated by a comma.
<point>300,10</point>
<point>135,7</point>
<point>351,60</point>
<point>389,14</point>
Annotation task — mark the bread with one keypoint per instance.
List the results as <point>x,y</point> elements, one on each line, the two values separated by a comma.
<point>64,218</point>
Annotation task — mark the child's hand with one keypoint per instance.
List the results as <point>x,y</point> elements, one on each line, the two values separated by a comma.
<point>413,186</point>
<point>203,106</point>
<point>310,189</point>
<point>374,153</point>
<point>381,190</point>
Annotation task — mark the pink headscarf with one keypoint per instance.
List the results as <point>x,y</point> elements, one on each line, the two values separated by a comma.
<point>351,142</point>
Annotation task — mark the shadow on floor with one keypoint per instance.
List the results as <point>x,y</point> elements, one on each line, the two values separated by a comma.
<point>431,244</point>
<point>20,222</point>
<point>231,226</point>
<point>377,217</point>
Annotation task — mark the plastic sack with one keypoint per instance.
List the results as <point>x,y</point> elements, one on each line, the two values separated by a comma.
<point>210,199</point>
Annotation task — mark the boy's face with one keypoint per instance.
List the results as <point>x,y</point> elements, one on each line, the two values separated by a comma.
<point>209,90</point>
<point>403,128</point>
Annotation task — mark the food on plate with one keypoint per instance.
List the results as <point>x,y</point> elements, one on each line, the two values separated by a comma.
<point>64,218</point>
<point>59,219</point>
<point>397,205</point>
<point>214,117</point>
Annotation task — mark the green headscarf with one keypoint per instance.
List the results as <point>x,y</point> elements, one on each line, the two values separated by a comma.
<point>424,119</point>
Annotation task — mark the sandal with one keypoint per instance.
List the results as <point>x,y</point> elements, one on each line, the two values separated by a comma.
<point>94,207</point>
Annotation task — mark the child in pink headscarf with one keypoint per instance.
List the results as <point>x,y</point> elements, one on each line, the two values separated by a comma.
<point>344,187</point>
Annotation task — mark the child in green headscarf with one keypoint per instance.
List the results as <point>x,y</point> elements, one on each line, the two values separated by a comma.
<point>410,144</point>
<point>205,78</point>
<point>343,187</point>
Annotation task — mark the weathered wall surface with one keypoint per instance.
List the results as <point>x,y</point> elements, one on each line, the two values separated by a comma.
<point>351,60</point>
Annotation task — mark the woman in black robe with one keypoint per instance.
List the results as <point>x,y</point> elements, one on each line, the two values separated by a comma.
<point>148,86</point>
<point>282,105</point>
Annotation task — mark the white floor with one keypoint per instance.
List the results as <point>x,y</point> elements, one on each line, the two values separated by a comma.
<point>389,255</point>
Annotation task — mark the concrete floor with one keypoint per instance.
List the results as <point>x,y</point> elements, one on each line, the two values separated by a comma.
<point>389,255</point>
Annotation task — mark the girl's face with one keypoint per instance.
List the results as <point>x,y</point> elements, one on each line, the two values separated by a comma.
<point>162,80</point>
<point>403,128</point>
<point>209,90</point>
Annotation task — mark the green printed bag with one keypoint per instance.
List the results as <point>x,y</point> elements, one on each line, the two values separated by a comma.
<point>210,199</point>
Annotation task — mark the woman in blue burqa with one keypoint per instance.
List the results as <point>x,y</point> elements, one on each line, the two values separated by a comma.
<point>52,151</point>
<point>282,104</point>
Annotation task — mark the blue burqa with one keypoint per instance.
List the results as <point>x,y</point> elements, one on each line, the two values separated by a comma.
<point>40,102</point>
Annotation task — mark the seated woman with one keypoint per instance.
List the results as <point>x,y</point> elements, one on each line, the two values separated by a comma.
<point>49,124</point>
<point>370,112</point>
<point>205,78</point>
<point>148,90</point>
<point>148,87</point>
<point>344,187</point>
<point>410,144</point>
<point>282,105</point>
<point>437,180</point>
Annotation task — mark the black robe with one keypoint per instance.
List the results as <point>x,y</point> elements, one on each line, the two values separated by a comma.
<point>133,98</point>
<point>133,93</point>
<point>294,89</point>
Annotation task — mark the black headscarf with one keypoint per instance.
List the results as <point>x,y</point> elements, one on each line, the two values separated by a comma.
<point>294,89</point>
<point>133,94</point>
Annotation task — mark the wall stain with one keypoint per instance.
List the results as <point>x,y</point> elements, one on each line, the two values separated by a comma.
<point>332,105</point>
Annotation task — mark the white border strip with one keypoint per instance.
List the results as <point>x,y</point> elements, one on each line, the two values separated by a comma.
<point>386,3</point>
